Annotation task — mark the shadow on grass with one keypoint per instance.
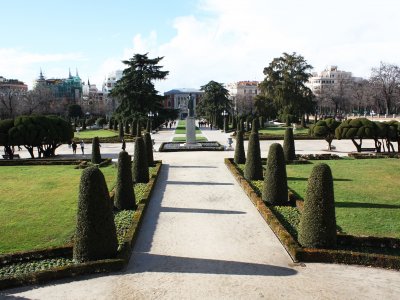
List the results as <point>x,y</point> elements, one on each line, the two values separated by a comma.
<point>146,262</point>
<point>365,205</point>
<point>201,211</point>
<point>306,179</point>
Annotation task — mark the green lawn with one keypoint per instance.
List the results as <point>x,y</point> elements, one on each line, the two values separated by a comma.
<point>366,194</point>
<point>199,138</point>
<point>281,131</point>
<point>89,134</point>
<point>38,205</point>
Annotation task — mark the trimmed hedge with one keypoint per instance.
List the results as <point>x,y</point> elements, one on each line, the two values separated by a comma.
<point>298,253</point>
<point>253,169</point>
<point>317,227</point>
<point>107,265</point>
<point>140,166</point>
<point>240,156</point>
<point>95,235</point>
<point>288,145</point>
<point>275,188</point>
<point>124,197</point>
<point>96,156</point>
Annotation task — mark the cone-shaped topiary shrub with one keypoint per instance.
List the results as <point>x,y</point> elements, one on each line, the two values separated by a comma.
<point>255,125</point>
<point>124,194</point>
<point>261,122</point>
<point>126,127</point>
<point>96,156</point>
<point>95,235</point>
<point>120,130</point>
<point>134,128</point>
<point>288,145</point>
<point>253,168</point>
<point>148,125</point>
<point>140,167</point>
<point>275,189</point>
<point>139,129</point>
<point>148,145</point>
<point>240,157</point>
<point>317,227</point>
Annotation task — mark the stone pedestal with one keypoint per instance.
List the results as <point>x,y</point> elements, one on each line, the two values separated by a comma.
<point>190,130</point>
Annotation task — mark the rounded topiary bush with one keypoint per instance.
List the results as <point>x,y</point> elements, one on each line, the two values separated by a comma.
<point>96,156</point>
<point>240,157</point>
<point>288,145</point>
<point>317,227</point>
<point>148,145</point>
<point>95,235</point>
<point>275,189</point>
<point>124,197</point>
<point>253,168</point>
<point>140,167</point>
<point>120,130</point>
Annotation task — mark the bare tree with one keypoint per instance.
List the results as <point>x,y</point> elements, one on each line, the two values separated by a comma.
<point>9,102</point>
<point>362,96</point>
<point>38,100</point>
<point>386,80</point>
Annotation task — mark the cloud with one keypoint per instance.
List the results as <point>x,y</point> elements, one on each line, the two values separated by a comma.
<point>227,40</point>
<point>25,65</point>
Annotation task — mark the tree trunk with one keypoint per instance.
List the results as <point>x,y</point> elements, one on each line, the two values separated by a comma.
<point>358,146</point>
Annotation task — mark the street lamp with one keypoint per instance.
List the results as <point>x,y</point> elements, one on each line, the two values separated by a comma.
<point>150,114</point>
<point>224,114</point>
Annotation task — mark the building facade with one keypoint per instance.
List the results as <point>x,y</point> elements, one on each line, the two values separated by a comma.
<point>111,80</point>
<point>178,99</point>
<point>242,94</point>
<point>330,78</point>
<point>12,84</point>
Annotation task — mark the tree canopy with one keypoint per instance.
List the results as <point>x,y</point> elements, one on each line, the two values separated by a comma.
<point>214,101</point>
<point>135,90</point>
<point>284,82</point>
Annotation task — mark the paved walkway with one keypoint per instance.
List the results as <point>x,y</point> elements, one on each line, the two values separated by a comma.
<point>203,239</point>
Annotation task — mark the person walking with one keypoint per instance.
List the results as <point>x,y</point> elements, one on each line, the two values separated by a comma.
<point>74,146</point>
<point>123,145</point>
<point>82,147</point>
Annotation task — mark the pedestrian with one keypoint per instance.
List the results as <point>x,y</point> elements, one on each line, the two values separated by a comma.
<point>82,147</point>
<point>123,145</point>
<point>74,146</point>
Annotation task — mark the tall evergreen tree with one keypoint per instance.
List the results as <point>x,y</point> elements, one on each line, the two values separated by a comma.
<point>135,90</point>
<point>215,100</point>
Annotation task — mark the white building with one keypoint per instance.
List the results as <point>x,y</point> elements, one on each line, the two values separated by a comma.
<point>242,94</point>
<point>111,80</point>
<point>331,77</point>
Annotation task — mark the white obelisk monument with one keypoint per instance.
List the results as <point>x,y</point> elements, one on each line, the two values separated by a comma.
<point>190,123</point>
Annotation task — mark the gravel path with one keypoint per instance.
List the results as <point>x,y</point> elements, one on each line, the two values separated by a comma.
<point>203,239</point>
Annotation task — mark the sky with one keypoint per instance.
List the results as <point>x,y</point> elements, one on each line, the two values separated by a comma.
<point>200,40</point>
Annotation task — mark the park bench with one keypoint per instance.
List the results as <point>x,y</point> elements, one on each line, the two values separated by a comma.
<point>6,156</point>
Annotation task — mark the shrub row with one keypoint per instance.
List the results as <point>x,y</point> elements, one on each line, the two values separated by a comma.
<point>299,253</point>
<point>105,265</point>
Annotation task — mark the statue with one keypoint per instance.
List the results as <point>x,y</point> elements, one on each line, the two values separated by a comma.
<point>190,106</point>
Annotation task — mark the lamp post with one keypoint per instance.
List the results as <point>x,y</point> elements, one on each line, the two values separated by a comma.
<point>149,125</point>
<point>224,114</point>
